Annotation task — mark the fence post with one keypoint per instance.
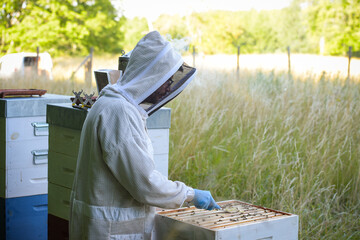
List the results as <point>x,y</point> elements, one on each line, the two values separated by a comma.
<point>238,62</point>
<point>3,38</point>
<point>88,68</point>
<point>194,56</point>
<point>350,53</point>
<point>289,63</point>
<point>37,61</point>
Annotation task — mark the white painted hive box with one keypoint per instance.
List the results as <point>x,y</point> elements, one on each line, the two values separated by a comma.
<point>24,144</point>
<point>236,220</point>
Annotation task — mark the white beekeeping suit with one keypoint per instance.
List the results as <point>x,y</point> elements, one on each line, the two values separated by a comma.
<point>116,185</point>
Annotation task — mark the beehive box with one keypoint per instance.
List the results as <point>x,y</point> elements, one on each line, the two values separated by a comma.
<point>24,217</point>
<point>23,166</point>
<point>236,220</point>
<point>24,144</point>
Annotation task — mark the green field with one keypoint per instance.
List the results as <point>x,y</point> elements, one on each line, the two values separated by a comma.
<point>287,143</point>
<point>291,145</point>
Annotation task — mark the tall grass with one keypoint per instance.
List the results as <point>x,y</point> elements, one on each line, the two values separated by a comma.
<point>287,144</point>
<point>291,145</point>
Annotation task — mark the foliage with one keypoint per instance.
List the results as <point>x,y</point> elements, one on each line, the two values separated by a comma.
<point>338,21</point>
<point>60,26</point>
<point>300,26</point>
<point>176,26</point>
<point>134,30</point>
<point>292,30</point>
<point>73,27</point>
<point>223,31</point>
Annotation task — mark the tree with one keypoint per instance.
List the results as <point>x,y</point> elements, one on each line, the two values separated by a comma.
<point>12,12</point>
<point>67,26</point>
<point>134,30</point>
<point>338,21</point>
<point>293,29</point>
<point>175,26</point>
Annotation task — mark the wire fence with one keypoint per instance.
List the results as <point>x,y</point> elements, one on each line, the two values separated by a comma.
<point>345,67</point>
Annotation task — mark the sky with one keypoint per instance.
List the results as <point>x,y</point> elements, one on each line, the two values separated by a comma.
<point>153,8</point>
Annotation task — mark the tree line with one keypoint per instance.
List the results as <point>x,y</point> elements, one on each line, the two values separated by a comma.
<point>60,27</point>
<point>73,27</point>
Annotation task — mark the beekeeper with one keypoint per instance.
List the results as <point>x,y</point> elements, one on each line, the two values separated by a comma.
<point>116,187</point>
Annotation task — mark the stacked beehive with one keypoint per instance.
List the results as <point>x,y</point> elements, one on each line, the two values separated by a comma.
<point>65,124</point>
<point>23,166</point>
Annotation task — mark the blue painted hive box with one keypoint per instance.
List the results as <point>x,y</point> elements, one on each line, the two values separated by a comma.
<point>24,218</point>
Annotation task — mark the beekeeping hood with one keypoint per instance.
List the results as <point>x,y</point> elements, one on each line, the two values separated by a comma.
<point>152,62</point>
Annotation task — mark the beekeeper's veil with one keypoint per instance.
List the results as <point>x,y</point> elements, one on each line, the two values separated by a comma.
<point>152,63</point>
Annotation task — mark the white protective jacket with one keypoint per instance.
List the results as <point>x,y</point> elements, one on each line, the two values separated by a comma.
<point>116,186</point>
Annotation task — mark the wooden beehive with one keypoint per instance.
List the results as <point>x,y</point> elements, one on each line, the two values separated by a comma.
<point>236,220</point>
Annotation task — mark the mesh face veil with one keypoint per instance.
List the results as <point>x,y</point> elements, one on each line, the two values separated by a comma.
<point>153,63</point>
<point>174,87</point>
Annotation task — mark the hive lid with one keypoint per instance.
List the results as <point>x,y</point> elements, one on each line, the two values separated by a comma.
<point>64,115</point>
<point>21,92</point>
<point>29,106</point>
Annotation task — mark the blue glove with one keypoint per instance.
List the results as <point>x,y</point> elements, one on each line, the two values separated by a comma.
<point>204,200</point>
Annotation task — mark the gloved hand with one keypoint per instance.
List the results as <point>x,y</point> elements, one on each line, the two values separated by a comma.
<point>204,200</point>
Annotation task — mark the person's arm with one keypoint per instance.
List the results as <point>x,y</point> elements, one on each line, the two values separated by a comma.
<point>126,154</point>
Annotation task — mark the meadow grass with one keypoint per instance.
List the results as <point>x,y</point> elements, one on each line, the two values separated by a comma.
<point>287,143</point>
